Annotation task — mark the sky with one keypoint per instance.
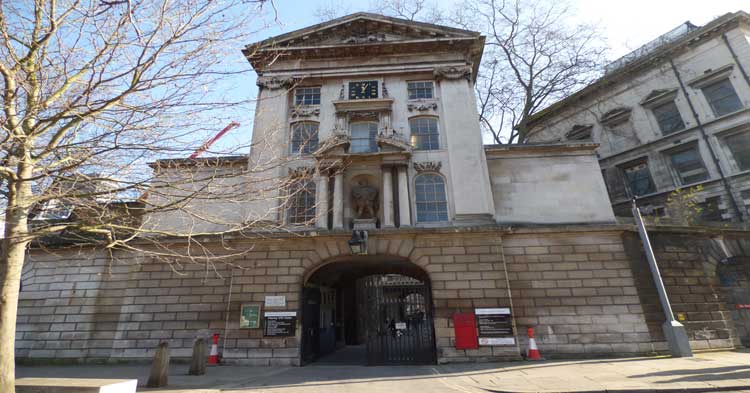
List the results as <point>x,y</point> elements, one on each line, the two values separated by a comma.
<point>626,25</point>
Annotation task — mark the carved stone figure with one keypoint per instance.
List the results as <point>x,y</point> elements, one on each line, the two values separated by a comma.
<point>365,200</point>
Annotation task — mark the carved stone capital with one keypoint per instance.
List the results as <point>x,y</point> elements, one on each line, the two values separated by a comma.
<point>452,72</point>
<point>421,106</point>
<point>428,166</point>
<point>274,83</point>
<point>304,111</point>
<point>301,172</point>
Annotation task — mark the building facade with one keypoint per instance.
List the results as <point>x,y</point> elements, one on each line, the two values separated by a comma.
<point>382,229</point>
<point>672,114</point>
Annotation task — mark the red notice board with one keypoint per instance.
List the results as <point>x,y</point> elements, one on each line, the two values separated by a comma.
<point>465,327</point>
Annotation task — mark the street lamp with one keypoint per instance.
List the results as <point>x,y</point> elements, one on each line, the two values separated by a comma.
<point>358,242</point>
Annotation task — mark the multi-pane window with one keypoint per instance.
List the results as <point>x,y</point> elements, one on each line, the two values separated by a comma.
<point>363,137</point>
<point>419,90</point>
<point>739,145</point>
<point>639,179</point>
<point>304,137</point>
<point>424,133</point>
<point>668,117</point>
<point>432,205</point>
<point>722,97</point>
<point>689,165</point>
<point>711,209</point>
<point>301,202</point>
<point>307,96</point>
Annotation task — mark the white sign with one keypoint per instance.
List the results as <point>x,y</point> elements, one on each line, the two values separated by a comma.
<point>275,301</point>
<point>401,325</point>
<point>491,311</point>
<point>280,314</point>
<point>497,341</point>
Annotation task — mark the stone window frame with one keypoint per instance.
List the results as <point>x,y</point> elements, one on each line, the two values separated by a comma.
<point>659,99</point>
<point>623,168</point>
<point>729,152</point>
<point>300,192</point>
<point>413,138</point>
<point>580,133</point>
<point>676,175</point>
<point>417,202</point>
<point>711,78</point>
<point>421,81</point>
<point>303,96</point>
<point>295,140</point>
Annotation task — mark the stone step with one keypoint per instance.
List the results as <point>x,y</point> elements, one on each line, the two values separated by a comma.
<point>75,385</point>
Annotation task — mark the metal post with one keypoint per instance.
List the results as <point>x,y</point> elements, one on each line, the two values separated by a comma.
<point>677,338</point>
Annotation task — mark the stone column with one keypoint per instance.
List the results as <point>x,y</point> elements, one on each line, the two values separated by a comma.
<point>404,204</point>
<point>387,197</point>
<point>321,202</point>
<point>338,201</point>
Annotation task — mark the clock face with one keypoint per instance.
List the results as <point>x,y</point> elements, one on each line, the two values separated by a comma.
<point>363,90</point>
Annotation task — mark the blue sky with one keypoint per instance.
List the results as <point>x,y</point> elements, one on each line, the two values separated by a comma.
<point>626,25</point>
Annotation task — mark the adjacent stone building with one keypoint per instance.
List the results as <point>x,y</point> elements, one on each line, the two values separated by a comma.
<point>672,114</point>
<point>390,223</point>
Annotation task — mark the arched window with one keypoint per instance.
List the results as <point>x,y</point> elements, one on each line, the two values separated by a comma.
<point>363,137</point>
<point>432,205</point>
<point>301,202</point>
<point>424,133</point>
<point>304,137</point>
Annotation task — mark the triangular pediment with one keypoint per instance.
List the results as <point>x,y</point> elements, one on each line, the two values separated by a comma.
<point>363,28</point>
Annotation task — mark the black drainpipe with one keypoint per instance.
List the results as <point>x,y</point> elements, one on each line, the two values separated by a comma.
<point>715,158</point>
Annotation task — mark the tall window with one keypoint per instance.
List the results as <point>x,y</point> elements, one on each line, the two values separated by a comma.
<point>301,203</point>
<point>304,137</point>
<point>424,133</point>
<point>307,96</point>
<point>668,117</point>
<point>639,179</point>
<point>432,205</point>
<point>419,90</point>
<point>689,165</point>
<point>739,145</point>
<point>722,97</point>
<point>363,137</point>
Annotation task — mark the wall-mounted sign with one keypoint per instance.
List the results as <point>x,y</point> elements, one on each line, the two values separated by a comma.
<point>401,325</point>
<point>279,323</point>
<point>495,326</point>
<point>249,316</point>
<point>275,301</point>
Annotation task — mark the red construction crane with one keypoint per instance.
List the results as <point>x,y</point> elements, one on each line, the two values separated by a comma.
<point>216,137</point>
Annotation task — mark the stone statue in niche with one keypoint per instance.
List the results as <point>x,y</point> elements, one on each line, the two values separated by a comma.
<point>365,200</point>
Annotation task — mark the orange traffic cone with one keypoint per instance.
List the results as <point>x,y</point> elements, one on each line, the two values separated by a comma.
<point>533,352</point>
<point>213,357</point>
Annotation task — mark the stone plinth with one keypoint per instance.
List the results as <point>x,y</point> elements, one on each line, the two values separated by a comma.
<point>364,223</point>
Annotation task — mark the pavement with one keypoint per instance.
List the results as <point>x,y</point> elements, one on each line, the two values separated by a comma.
<point>705,372</point>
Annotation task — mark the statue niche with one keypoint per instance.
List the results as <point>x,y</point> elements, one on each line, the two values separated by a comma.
<point>364,200</point>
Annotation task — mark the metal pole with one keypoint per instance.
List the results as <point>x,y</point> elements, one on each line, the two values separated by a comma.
<point>677,339</point>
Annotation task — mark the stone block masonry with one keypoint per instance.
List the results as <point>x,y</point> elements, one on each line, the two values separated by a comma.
<point>576,285</point>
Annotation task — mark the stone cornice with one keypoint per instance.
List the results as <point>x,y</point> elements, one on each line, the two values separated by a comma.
<point>275,83</point>
<point>452,72</point>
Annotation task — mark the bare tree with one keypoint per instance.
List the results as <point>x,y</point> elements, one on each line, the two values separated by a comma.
<point>533,56</point>
<point>93,91</point>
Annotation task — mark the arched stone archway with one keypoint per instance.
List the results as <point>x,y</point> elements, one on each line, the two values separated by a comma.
<point>374,309</point>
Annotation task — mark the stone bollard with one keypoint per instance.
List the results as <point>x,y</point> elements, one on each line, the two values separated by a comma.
<point>198,362</point>
<point>160,368</point>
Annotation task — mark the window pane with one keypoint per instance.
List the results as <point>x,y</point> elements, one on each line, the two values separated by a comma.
<point>424,133</point>
<point>639,179</point>
<point>307,96</point>
<point>301,210</point>
<point>722,97</point>
<point>689,166</point>
<point>668,117</point>
<point>419,90</point>
<point>431,202</point>
<point>304,138</point>
<point>363,138</point>
<point>739,145</point>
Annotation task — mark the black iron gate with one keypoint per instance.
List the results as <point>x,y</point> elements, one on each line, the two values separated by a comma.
<point>396,313</point>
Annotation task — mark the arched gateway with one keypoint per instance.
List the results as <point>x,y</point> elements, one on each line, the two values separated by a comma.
<point>368,310</point>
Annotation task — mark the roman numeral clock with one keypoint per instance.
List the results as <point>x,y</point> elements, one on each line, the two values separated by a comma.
<point>363,90</point>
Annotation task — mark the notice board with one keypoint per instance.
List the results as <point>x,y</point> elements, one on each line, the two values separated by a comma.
<point>250,316</point>
<point>279,323</point>
<point>495,326</point>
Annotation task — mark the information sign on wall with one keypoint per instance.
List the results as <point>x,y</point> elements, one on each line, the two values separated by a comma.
<point>275,301</point>
<point>250,316</point>
<point>495,326</point>
<point>279,323</point>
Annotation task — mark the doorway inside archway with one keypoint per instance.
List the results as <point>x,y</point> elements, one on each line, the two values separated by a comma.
<point>368,312</point>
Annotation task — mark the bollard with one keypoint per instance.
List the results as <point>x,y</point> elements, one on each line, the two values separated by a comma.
<point>198,362</point>
<point>160,368</point>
